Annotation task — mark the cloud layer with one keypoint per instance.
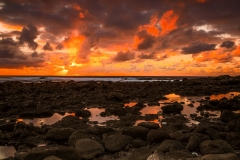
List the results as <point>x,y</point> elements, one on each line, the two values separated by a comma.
<point>89,37</point>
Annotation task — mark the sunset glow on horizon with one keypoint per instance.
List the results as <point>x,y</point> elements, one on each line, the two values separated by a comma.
<point>119,38</point>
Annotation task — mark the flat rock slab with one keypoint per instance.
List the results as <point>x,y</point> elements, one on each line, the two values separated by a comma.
<point>215,147</point>
<point>149,125</point>
<point>59,133</point>
<point>88,148</point>
<point>61,152</point>
<point>116,143</point>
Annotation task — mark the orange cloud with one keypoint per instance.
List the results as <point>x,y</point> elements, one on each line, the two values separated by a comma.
<point>81,15</point>
<point>168,21</point>
<point>217,56</point>
<point>202,1</point>
<point>77,7</point>
<point>151,28</point>
<point>137,40</point>
<point>236,52</point>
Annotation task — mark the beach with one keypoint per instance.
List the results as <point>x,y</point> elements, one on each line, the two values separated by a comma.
<point>141,118</point>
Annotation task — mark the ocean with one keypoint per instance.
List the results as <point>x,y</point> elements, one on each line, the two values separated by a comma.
<point>29,79</point>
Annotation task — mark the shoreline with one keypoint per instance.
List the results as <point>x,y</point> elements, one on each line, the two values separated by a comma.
<point>146,140</point>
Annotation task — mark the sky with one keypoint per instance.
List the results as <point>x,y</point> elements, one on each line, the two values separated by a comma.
<point>120,37</point>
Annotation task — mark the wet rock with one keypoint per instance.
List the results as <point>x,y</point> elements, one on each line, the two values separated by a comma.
<point>172,108</point>
<point>226,156</point>
<point>33,113</point>
<point>208,130</point>
<point>153,104</point>
<point>233,139</point>
<point>191,105</point>
<point>71,122</point>
<point>227,116</point>
<point>32,140</point>
<point>4,107</point>
<point>215,147</point>
<point>19,155</point>
<point>80,134</point>
<point>59,133</point>
<point>149,125</point>
<point>140,154</point>
<point>116,96</point>
<point>6,126</point>
<point>193,143</point>
<point>136,132</point>
<point>157,135</point>
<point>170,145</point>
<point>234,125</point>
<point>83,113</point>
<point>138,143</point>
<point>88,148</point>
<point>61,152</point>
<point>116,143</point>
<point>185,137</point>
<point>100,130</point>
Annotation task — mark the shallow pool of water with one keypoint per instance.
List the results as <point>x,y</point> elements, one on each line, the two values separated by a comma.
<point>187,110</point>
<point>6,151</point>
<point>95,116</point>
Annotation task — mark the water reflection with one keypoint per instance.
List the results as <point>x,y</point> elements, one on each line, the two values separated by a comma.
<point>96,115</point>
<point>6,151</point>
<point>130,104</point>
<point>186,100</point>
<point>95,112</point>
<point>49,120</point>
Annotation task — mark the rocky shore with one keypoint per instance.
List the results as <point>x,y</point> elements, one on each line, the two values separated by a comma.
<point>76,138</point>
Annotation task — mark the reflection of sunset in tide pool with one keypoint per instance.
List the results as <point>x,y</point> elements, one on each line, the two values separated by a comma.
<point>130,104</point>
<point>187,100</point>
<point>95,115</point>
<point>227,95</point>
<point>50,120</point>
<point>150,110</point>
<point>6,151</point>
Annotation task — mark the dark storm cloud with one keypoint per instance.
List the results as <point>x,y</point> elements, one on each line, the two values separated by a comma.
<point>59,46</point>
<point>147,56</point>
<point>147,40</point>
<point>12,57</point>
<point>48,47</point>
<point>124,56</point>
<point>198,47</point>
<point>182,37</point>
<point>28,35</point>
<point>227,44</point>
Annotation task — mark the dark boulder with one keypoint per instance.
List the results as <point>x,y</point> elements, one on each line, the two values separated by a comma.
<point>116,143</point>
<point>136,132</point>
<point>172,108</point>
<point>88,148</point>
<point>157,135</point>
